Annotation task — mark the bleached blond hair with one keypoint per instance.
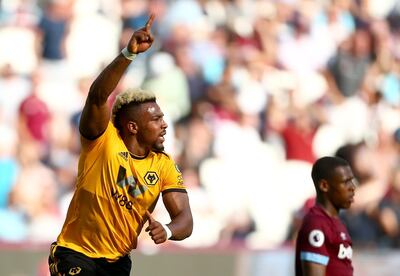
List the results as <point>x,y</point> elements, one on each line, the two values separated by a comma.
<point>132,95</point>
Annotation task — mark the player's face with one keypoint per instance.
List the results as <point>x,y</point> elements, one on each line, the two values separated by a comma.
<point>342,187</point>
<point>152,127</point>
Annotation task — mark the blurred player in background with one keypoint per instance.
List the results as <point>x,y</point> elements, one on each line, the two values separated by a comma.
<point>323,244</point>
<point>122,171</point>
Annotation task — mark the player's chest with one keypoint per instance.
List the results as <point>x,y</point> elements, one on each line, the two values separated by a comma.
<point>136,182</point>
<point>340,244</point>
<point>145,171</point>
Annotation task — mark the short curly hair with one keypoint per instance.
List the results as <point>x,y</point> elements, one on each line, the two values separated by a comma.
<point>131,96</point>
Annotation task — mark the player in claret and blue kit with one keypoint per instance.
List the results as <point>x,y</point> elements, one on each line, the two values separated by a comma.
<point>323,246</point>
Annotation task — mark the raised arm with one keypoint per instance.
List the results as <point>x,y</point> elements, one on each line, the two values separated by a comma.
<point>96,113</point>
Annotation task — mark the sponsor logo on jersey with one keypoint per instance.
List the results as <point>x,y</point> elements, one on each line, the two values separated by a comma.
<point>135,189</point>
<point>316,238</point>
<point>345,252</point>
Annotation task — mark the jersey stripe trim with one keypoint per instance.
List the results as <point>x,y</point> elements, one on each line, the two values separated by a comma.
<point>92,138</point>
<point>314,257</point>
<point>175,190</point>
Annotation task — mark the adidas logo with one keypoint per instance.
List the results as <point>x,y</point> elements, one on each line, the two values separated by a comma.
<point>124,155</point>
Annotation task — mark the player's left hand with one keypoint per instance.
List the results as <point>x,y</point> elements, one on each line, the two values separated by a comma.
<point>155,230</point>
<point>141,39</point>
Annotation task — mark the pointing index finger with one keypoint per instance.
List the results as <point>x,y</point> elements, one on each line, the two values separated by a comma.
<point>150,22</point>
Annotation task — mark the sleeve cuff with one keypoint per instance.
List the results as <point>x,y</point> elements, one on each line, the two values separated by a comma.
<point>314,257</point>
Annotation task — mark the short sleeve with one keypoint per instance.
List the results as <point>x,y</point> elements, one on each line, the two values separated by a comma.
<point>110,131</point>
<point>313,239</point>
<point>172,177</point>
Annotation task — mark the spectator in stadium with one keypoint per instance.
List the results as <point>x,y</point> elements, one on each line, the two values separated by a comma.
<point>323,245</point>
<point>361,217</point>
<point>34,118</point>
<point>122,171</point>
<point>298,133</point>
<point>389,213</point>
<point>53,28</point>
<point>396,137</point>
<point>347,69</point>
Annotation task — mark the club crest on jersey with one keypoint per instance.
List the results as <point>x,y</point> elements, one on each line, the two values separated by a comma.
<point>343,236</point>
<point>316,238</point>
<point>124,155</point>
<point>74,271</point>
<point>151,178</point>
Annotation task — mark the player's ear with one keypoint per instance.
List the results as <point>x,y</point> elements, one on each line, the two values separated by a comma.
<point>132,127</point>
<point>323,185</point>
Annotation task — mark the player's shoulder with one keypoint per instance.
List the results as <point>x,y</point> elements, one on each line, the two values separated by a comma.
<point>162,154</point>
<point>162,157</point>
<point>107,138</point>
<point>313,231</point>
<point>315,218</point>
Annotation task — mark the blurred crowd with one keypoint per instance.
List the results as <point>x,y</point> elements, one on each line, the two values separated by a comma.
<point>253,91</point>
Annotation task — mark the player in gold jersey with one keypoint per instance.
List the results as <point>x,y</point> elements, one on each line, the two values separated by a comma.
<point>121,173</point>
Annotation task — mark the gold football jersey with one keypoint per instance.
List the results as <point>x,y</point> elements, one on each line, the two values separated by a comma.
<point>113,192</point>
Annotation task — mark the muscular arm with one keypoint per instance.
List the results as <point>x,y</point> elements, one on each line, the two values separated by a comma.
<point>312,269</point>
<point>95,114</point>
<point>177,205</point>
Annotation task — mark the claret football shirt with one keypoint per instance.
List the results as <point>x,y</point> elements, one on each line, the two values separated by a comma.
<point>113,192</point>
<point>324,240</point>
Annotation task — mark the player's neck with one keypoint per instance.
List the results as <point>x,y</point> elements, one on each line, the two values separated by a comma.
<point>328,207</point>
<point>135,149</point>
<point>137,156</point>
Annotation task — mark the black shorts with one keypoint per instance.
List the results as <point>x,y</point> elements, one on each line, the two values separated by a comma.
<point>65,261</point>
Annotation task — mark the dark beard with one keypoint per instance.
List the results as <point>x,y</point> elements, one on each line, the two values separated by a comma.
<point>158,147</point>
